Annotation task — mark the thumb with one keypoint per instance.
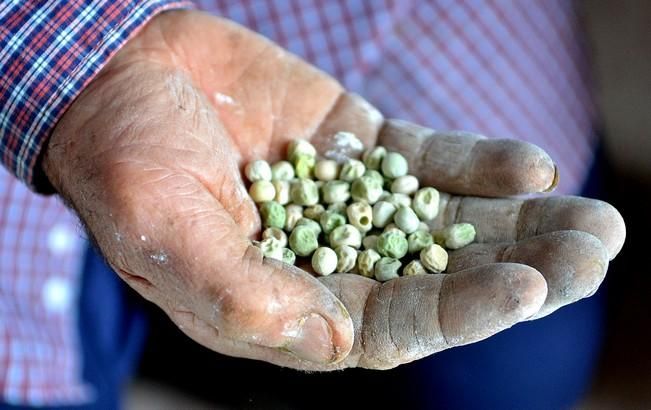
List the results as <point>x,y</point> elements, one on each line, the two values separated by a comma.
<point>213,270</point>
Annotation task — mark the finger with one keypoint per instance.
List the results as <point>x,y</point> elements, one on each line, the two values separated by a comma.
<point>574,263</point>
<point>199,258</point>
<point>508,220</point>
<point>352,287</point>
<point>469,164</point>
<point>412,317</point>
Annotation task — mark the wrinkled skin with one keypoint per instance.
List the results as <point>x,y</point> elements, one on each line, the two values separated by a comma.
<point>150,157</point>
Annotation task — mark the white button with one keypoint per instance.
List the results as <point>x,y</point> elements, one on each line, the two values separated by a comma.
<point>57,294</point>
<point>60,239</point>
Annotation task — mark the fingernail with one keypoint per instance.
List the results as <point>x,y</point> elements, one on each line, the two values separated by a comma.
<point>314,341</point>
<point>555,180</point>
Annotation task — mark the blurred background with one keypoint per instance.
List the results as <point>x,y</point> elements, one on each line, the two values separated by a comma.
<point>619,34</point>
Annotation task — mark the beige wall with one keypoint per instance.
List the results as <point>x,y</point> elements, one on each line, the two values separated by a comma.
<point>620,35</point>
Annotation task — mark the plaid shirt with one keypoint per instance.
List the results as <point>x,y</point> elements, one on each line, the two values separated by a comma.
<point>510,69</point>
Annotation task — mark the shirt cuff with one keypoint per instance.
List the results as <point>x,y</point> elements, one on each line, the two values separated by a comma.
<point>49,51</point>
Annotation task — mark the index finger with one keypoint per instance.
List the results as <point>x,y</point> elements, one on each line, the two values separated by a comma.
<point>470,164</point>
<point>454,161</point>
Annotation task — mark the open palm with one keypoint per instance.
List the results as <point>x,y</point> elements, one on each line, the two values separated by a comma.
<point>150,157</point>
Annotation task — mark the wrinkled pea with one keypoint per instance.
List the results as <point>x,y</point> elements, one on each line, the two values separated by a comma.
<point>276,233</point>
<point>351,170</point>
<point>345,235</point>
<point>366,262</point>
<point>314,212</point>
<point>304,192</point>
<point>346,258</point>
<point>360,215</point>
<point>282,171</point>
<point>366,189</point>
<point>426,203</point>
<point>392,244</point>
<point>373,157</point>
<point>303,241</point>
<point>419,240</point>
<point>387,269</point>
<point>329,220</point>
<point>310,224</point>
<point>294,213</point>
<point>273,214</point>
<point>336,191</point>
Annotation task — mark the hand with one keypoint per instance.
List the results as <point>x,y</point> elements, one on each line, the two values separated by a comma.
<point>150,157</point>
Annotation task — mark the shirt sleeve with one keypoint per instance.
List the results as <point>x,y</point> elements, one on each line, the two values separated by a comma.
<point>49,51</point>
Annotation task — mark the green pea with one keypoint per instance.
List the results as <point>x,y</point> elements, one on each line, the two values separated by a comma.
<point>336,191</point>
<point>273,215</point>
<point>300,147</point>
<point>304,165</point>
<point>324,261</point>
<point>360,215</point>
<point>366,261</point>
<point>330,220</point>
<point>373,157</point>
<point>271,248</point>
<point>459,235</point>
<point>406,219</point>
<point>426,203</point>
<point>282,171</point>
<point>366,189</point>
<point>351,170</point>
<point>419,240</point>
<point>434,258</point>
<point>303,241</point>
<point>346,258</point>
<point>310,224</point>
<point>338,207</point>
<point>413,268</point>
<point>392,244</point>
<point>371,173</point>
<point>345,235</point>
<point>394,165</point>
<point>304,192</point>
<point>369,241</point>
<point>314,212</point>
<point>399,200</point>
<point>387,269</point>
<point>383,213</point>
<point>289,257</point>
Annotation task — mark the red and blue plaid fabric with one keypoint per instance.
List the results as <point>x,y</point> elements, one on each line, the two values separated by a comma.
<point>49,50</point>
<point>504,68</point>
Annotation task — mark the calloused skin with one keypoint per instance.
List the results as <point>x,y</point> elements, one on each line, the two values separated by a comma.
<point>150,157</point>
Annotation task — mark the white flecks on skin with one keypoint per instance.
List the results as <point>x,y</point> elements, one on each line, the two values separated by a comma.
<point>118,236</point>
<point>274,306</point>
<point>349,140</point>
<point>290,331</point>
<point>143,238</point>
<point>160,257</point>
<point>224,99</point>
<point>344,144</point>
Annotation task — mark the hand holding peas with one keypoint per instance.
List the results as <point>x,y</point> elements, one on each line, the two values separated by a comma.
<point>151,158</point>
